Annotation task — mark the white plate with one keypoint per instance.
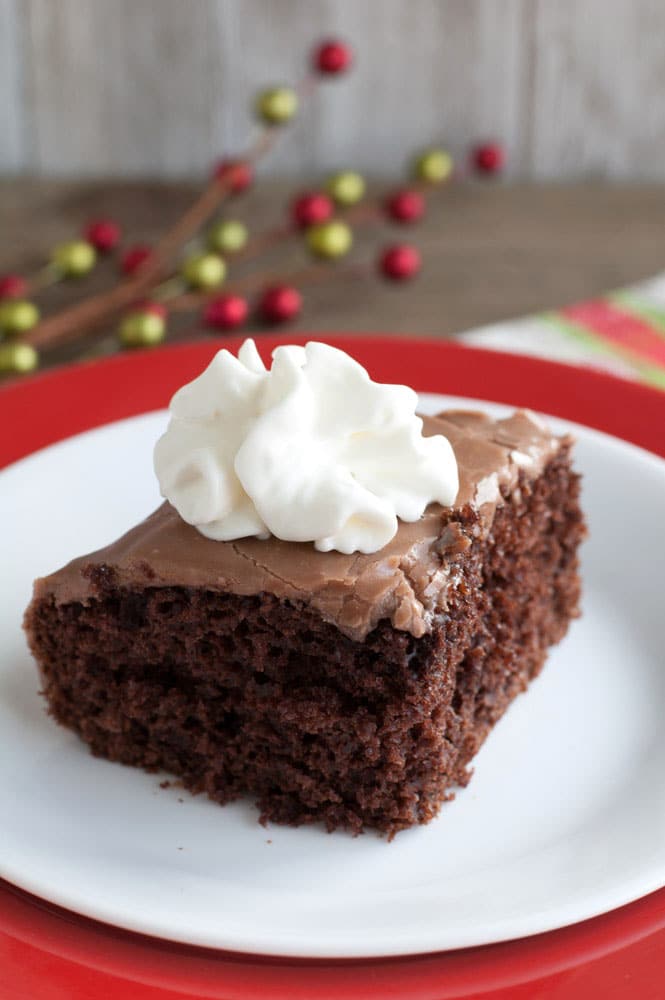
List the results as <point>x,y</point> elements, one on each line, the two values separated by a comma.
<point>564,818</point>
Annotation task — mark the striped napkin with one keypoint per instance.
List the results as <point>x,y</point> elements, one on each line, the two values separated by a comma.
<point>622,332</point>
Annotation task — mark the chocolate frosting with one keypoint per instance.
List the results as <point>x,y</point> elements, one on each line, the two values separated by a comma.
<point>406,582</point>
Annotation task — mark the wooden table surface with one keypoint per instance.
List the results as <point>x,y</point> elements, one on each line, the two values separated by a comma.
<point>490,251</point>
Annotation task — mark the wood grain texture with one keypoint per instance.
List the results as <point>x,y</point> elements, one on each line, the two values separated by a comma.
<point>13,106</point>
<point>599,89</point>
<point>411,85</point>
<point>173,84</point>
<point>119,86</point>
<point>573,88</point>
<point>490,252</point>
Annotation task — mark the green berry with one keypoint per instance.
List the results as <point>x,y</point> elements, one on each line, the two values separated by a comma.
<point>330,239</point>
<point>434,166</point>
<point>204,271</point>
<point>227,236</point>
<point>277,105</point>
<point>142,329</point>
<point>75,259</point>
<point>18,316</point>
<point>17,358</point>
<point>346,188</point>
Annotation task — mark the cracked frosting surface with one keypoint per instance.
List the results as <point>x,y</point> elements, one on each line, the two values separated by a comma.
<point>406,581</point>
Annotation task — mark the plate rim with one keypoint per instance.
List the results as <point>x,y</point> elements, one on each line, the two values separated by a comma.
<point>169,965</point>
<point>149,377</point>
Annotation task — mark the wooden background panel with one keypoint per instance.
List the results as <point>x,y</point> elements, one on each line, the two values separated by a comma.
<point>172,84</point>
<point>119,86</point>
<point>13,108</point>
<point>429,70</point>
<point>599,89</point>
<point>574,88</point>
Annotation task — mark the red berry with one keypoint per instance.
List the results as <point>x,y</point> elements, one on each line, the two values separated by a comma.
<point>489,158</point>
<point>406,206</point>
<point>12,286</point>
<point>280,303</point>
<point>150,306</point>
<point>400,262</point>
<point>132,259</point>
<point>332,57</point>
<point>238,174</point>
<point>312,208</point>
<point>225,312</point>
<point>104,234</point>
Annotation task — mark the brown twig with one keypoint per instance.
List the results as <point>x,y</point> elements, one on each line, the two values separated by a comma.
<point>77,320</point>
<point>360,214</point>
<point>256,245</point>
<point>313,274</point>
<point>216,191</point>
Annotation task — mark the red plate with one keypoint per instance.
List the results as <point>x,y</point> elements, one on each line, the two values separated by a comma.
<point>49,954</point>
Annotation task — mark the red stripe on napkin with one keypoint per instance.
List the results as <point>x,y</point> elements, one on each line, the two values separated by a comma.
<point>621,328</point>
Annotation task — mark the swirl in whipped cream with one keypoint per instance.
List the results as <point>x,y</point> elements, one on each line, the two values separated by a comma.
<point>310,450</point>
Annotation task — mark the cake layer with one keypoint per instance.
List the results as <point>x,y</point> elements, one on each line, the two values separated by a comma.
<point>406,582</point>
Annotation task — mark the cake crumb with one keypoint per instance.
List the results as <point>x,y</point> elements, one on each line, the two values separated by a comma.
<point>165,784</point>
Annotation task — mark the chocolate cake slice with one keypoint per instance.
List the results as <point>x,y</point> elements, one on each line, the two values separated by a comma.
<point>348,689</point>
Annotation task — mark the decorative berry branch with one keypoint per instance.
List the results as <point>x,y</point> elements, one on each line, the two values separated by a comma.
<point>143,266</point>
<point>158,280</point>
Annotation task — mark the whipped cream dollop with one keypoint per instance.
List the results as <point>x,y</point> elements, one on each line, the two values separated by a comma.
<point>310,450</point>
